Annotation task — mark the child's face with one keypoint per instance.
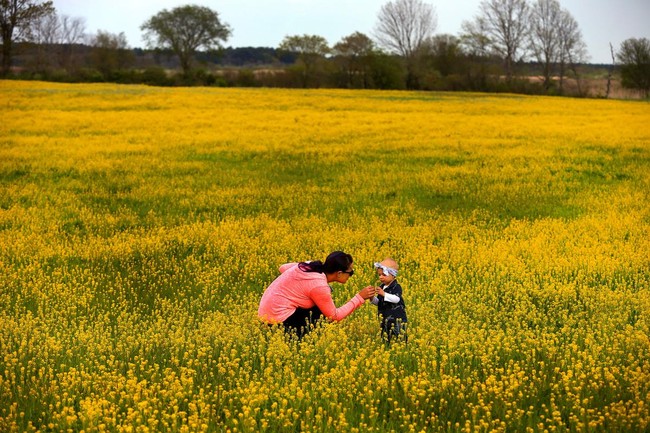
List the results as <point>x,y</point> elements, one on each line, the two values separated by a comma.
<point>385,279</point>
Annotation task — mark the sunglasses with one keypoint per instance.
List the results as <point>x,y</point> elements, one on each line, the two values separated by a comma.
<point>350,273</point>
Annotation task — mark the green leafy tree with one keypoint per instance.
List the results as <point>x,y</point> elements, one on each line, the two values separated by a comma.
<point>353,55</point>
<point>634,56</point>
<point>184,30</point>
<point>311,50</point>
<point>16,16</point>
<point>387,72</point>
<point>446,54</point>
<point>110,52</point>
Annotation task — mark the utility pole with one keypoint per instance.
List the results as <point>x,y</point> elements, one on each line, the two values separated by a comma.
<point>611,69</point>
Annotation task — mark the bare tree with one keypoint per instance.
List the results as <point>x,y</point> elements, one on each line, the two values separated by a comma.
<point>44,33</point>
<point>72,34</point>
<point>57,39</point>
<point>45,30</point>
<point>73,29</point>
<point>506,25</point>
<point>15,18</point>
<point>573,50</point>
<point>403,27</point>
<point>474,37</point>
<point>545,37</point>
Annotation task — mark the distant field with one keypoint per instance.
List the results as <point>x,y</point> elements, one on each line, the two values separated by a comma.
<point>595,87</point>
<point>139,227</point>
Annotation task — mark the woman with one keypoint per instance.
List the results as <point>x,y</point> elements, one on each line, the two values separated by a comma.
<point>301,294</point>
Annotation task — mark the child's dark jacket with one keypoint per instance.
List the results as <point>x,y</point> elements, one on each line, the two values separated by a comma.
<point>389,310</point>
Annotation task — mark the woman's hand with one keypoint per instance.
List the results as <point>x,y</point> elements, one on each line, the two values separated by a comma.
<point>368,292</point>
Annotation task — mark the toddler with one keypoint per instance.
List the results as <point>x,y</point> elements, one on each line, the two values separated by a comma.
<point>389,301</point>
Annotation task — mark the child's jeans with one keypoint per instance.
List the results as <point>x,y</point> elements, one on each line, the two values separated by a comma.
<point>393,328</point>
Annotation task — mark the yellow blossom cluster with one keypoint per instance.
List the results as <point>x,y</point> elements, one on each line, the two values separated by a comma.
<point>139,227</point>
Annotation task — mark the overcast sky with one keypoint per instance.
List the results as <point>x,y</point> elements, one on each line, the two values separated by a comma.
<point>264,23</point>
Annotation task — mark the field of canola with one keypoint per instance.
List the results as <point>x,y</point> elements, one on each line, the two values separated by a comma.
<point>139,227</point>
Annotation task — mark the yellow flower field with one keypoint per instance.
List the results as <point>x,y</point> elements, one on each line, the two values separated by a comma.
<point>139,227</point>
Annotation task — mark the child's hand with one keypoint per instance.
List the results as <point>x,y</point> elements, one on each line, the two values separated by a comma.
<point>380,291</point>
<point>368,292</point>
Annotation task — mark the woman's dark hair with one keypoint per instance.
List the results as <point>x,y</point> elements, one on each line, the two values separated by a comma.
<point>336,261</point>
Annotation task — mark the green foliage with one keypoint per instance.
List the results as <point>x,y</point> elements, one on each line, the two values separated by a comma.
<point>16,15</point>
<point>110,53</point>
<point>387,72</point>
<point>634,55</point>
<point>185,29</point>
<point>311,50</point>
<point>155,76</point>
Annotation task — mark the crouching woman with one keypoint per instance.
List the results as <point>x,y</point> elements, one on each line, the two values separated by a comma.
<point>302,294</point>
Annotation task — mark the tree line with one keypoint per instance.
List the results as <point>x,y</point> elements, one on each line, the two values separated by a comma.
<point>499,49</point>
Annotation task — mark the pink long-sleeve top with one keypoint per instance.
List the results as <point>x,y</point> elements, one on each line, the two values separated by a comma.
<point>299,289</point>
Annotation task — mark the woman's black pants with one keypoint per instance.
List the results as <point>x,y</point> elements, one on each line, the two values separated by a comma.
<point>302,320</point>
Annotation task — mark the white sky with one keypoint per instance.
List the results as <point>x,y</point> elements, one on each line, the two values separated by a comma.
<point>264,23</point>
